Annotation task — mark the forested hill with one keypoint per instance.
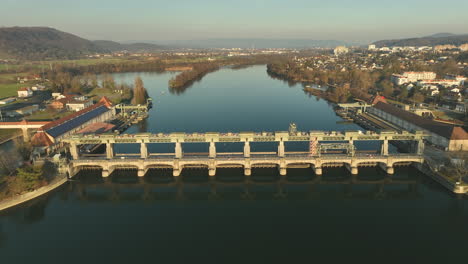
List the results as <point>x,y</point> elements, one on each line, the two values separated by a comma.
<point>113,46</point>
<point>433,40</point>
<point>36,43</point>
<point>39,43</point>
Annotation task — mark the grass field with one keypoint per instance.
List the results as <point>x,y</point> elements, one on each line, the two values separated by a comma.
<point>9,67</point>
<point>7,133</point>
<point>97,93</point>
<point>9,84</point>
<point>47,115</point>
<point>10,89</point>
<point>449,115</point>
<point>394,102</point>
<point>47,64</point>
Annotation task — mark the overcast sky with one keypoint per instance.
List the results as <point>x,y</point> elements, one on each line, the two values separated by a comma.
<point>129,20</point>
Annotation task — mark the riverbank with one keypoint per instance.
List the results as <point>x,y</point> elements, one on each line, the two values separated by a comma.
<point>453,187</point>
<point>26,197</point>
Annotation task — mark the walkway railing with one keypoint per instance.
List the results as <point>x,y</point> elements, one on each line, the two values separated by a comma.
<point>132,158</point>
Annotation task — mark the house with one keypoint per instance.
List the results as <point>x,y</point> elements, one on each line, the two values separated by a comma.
<point>38,87</point>
<point>76,105</point>
<point>434,92</point>
<point>377,98</point>
<point>73,102</point>
<point>56,95</point>
<point>24,92</point>
<point>78,97</point>
<point>59,104</point>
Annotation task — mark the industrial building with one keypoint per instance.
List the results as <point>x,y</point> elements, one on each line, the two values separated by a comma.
<point>448,137</point>
<point>50,134</point>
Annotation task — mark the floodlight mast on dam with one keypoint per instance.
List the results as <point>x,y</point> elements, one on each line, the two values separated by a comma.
<point>317,157</point>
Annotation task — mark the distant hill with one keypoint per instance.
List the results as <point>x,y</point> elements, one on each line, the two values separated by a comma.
<point>441,35</point>
<point>256,43</point>
<point>437,39</point>
<point>39,43</point>
<point>113,46</point>
<point>42,43</point>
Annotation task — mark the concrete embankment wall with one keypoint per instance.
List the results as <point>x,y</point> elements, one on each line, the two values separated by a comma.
<point>462,189</point>
<point>17,200</point>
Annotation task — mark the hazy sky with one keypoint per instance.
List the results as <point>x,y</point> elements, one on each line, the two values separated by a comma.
<point>197,19</point>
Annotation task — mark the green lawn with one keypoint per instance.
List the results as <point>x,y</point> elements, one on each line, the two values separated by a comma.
<point>9,89</point>
<point>7,133</point>
<point>394,102</point>
<point>47,115</point>
<point>97,93</point>
<point>9,67</point>
<point>449,115</point>
<point>9,85</point>
<point>78,62</point>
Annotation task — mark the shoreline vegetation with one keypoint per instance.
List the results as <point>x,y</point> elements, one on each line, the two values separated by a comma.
<point>19,175</point>
<point>196,72</point>
<point>186,78</point>
<point>342,87</point>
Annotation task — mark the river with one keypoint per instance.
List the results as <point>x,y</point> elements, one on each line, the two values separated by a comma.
<point>233,219</point>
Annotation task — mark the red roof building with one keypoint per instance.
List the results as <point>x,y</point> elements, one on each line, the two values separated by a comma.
<point>53,131</point>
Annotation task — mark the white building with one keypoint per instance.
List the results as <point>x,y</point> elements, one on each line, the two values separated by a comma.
<point>455,90</point>
<point>411,77</point>
<point>434,92</point>
<point>57,96</point>
<point>440,82</point>
<point>459,78</point>
<point>464,47</point>
<point>38,87</point>
<point>25,92</point>
<point>340,50</point>
<point>76,105</point>
<point>416,76</point>
<point>371,47</point>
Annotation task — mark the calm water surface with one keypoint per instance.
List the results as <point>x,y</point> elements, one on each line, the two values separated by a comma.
<point>261,219</point>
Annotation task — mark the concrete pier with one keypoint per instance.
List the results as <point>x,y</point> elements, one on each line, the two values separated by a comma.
<point>143,165</point>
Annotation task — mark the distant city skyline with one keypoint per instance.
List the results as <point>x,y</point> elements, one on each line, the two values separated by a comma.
<point>161,21</point>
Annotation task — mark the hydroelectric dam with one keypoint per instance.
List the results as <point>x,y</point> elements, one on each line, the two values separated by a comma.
<point>326,149</point>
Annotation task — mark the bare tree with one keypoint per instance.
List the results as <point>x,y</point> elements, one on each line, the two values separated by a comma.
<point>459,169</point>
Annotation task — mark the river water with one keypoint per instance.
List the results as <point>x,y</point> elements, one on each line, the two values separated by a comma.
<point>261,219</point>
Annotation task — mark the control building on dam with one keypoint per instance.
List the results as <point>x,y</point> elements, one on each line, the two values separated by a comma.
<point>326,149</point>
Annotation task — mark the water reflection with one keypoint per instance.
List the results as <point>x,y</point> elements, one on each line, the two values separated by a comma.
<point>264,184</point>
